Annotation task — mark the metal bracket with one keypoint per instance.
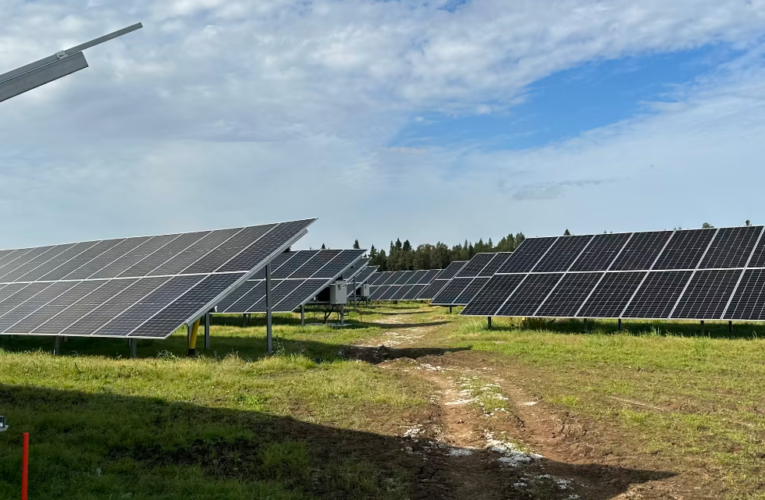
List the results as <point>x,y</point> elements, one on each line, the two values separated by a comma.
<point>61,55</point>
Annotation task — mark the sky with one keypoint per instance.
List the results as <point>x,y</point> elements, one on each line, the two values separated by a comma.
<point>431,121</point>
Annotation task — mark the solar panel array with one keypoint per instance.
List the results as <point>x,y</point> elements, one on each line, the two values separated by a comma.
<point>699,274</point>
<point>442,279</point>
<point>461,289</point>
<point>143,287</point>
<point>359,279</point>
<point>296,278</point>
<point>400,285</point>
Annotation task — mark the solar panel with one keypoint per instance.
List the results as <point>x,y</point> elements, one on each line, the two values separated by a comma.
<point>307,272</point>
<point>685,249</point>
<point>641,251</point>
<point>529,295</point>
<point>611,295</point>
<point>748,301</point>
<point>658,294</point>
<point>452,269</point>
<point>401,292</point>
<point>731,247</point>
<point>569,295</point>
<point>404,285</point>
<point>142,287</point>
<point>564,253</point>
<point>440,281</point>
<point>707,294</point>
<point>497,290</point>
<point>475,265</point>
<point>493,266</point>
<point>465,285</point>
<point>415,291</point>
<point>362,277</point>
<point>683,274</point>
<point>378,292</point>
<point>471,290</point>
<point>601,252</point>
<point>527,255</point>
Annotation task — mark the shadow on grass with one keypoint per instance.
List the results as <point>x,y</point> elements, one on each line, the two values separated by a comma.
<point>379,354</point>
<point>94,446</point>
<point>714,329</point>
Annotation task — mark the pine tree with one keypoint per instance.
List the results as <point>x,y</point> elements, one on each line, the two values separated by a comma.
<point>566,233</point>
<point>323,247</point>
<point>356,245</point>
<point>748,223</point>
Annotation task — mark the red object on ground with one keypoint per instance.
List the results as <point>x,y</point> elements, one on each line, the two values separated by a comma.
<point>25,467</point>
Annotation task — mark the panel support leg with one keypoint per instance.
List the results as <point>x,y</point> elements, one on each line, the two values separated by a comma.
<point>302,315</point>
<point>620,324</point>
<point>585,324</point>
<point>450,309</point>
<point>57,346</point>
<point>193,330</point>
<point>489,322</point>
<point>133,348</point>
<point>730,326</point>
<point>269,329</point>
<point>207,330</point>
<point>702,326</point>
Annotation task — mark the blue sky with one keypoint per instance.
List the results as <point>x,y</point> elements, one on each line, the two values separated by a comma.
<point>428,121</point>
<point>571,102</point>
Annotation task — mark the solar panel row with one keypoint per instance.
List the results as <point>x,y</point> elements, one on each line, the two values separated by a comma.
<point>400,285</point>
<point>142,287</point>
<point>469,280</point>
<point>685,274</point>
<point>364,275</point>
<point>442,279</point>
<point>297,277</point>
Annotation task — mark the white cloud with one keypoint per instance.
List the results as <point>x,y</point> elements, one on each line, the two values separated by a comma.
<point>224,113</point>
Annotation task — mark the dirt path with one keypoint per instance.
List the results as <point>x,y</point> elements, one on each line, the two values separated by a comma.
<point>486,439</point>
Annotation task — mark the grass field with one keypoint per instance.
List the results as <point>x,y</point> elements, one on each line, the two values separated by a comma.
<point>323,419</point>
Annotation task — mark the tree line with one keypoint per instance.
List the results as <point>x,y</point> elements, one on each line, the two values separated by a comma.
<point>402,256</point>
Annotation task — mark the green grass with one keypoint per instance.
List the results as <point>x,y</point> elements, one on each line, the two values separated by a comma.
<point>231,424</point>
<point>308,423</point>
<point>695,401</point>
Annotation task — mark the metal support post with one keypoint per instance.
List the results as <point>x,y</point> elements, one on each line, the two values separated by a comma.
<point>57,346</point>
<point>489,322</point>
<point>730,326</point>
<point>450,309</point>
<point>585,324</point>
<point>269,331</point>
<point>193,330</point>
<point>620,324</point>
<point>302,315</point>
<point>702,325</point>
<point>207,330</point>
<point>133,348</point>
